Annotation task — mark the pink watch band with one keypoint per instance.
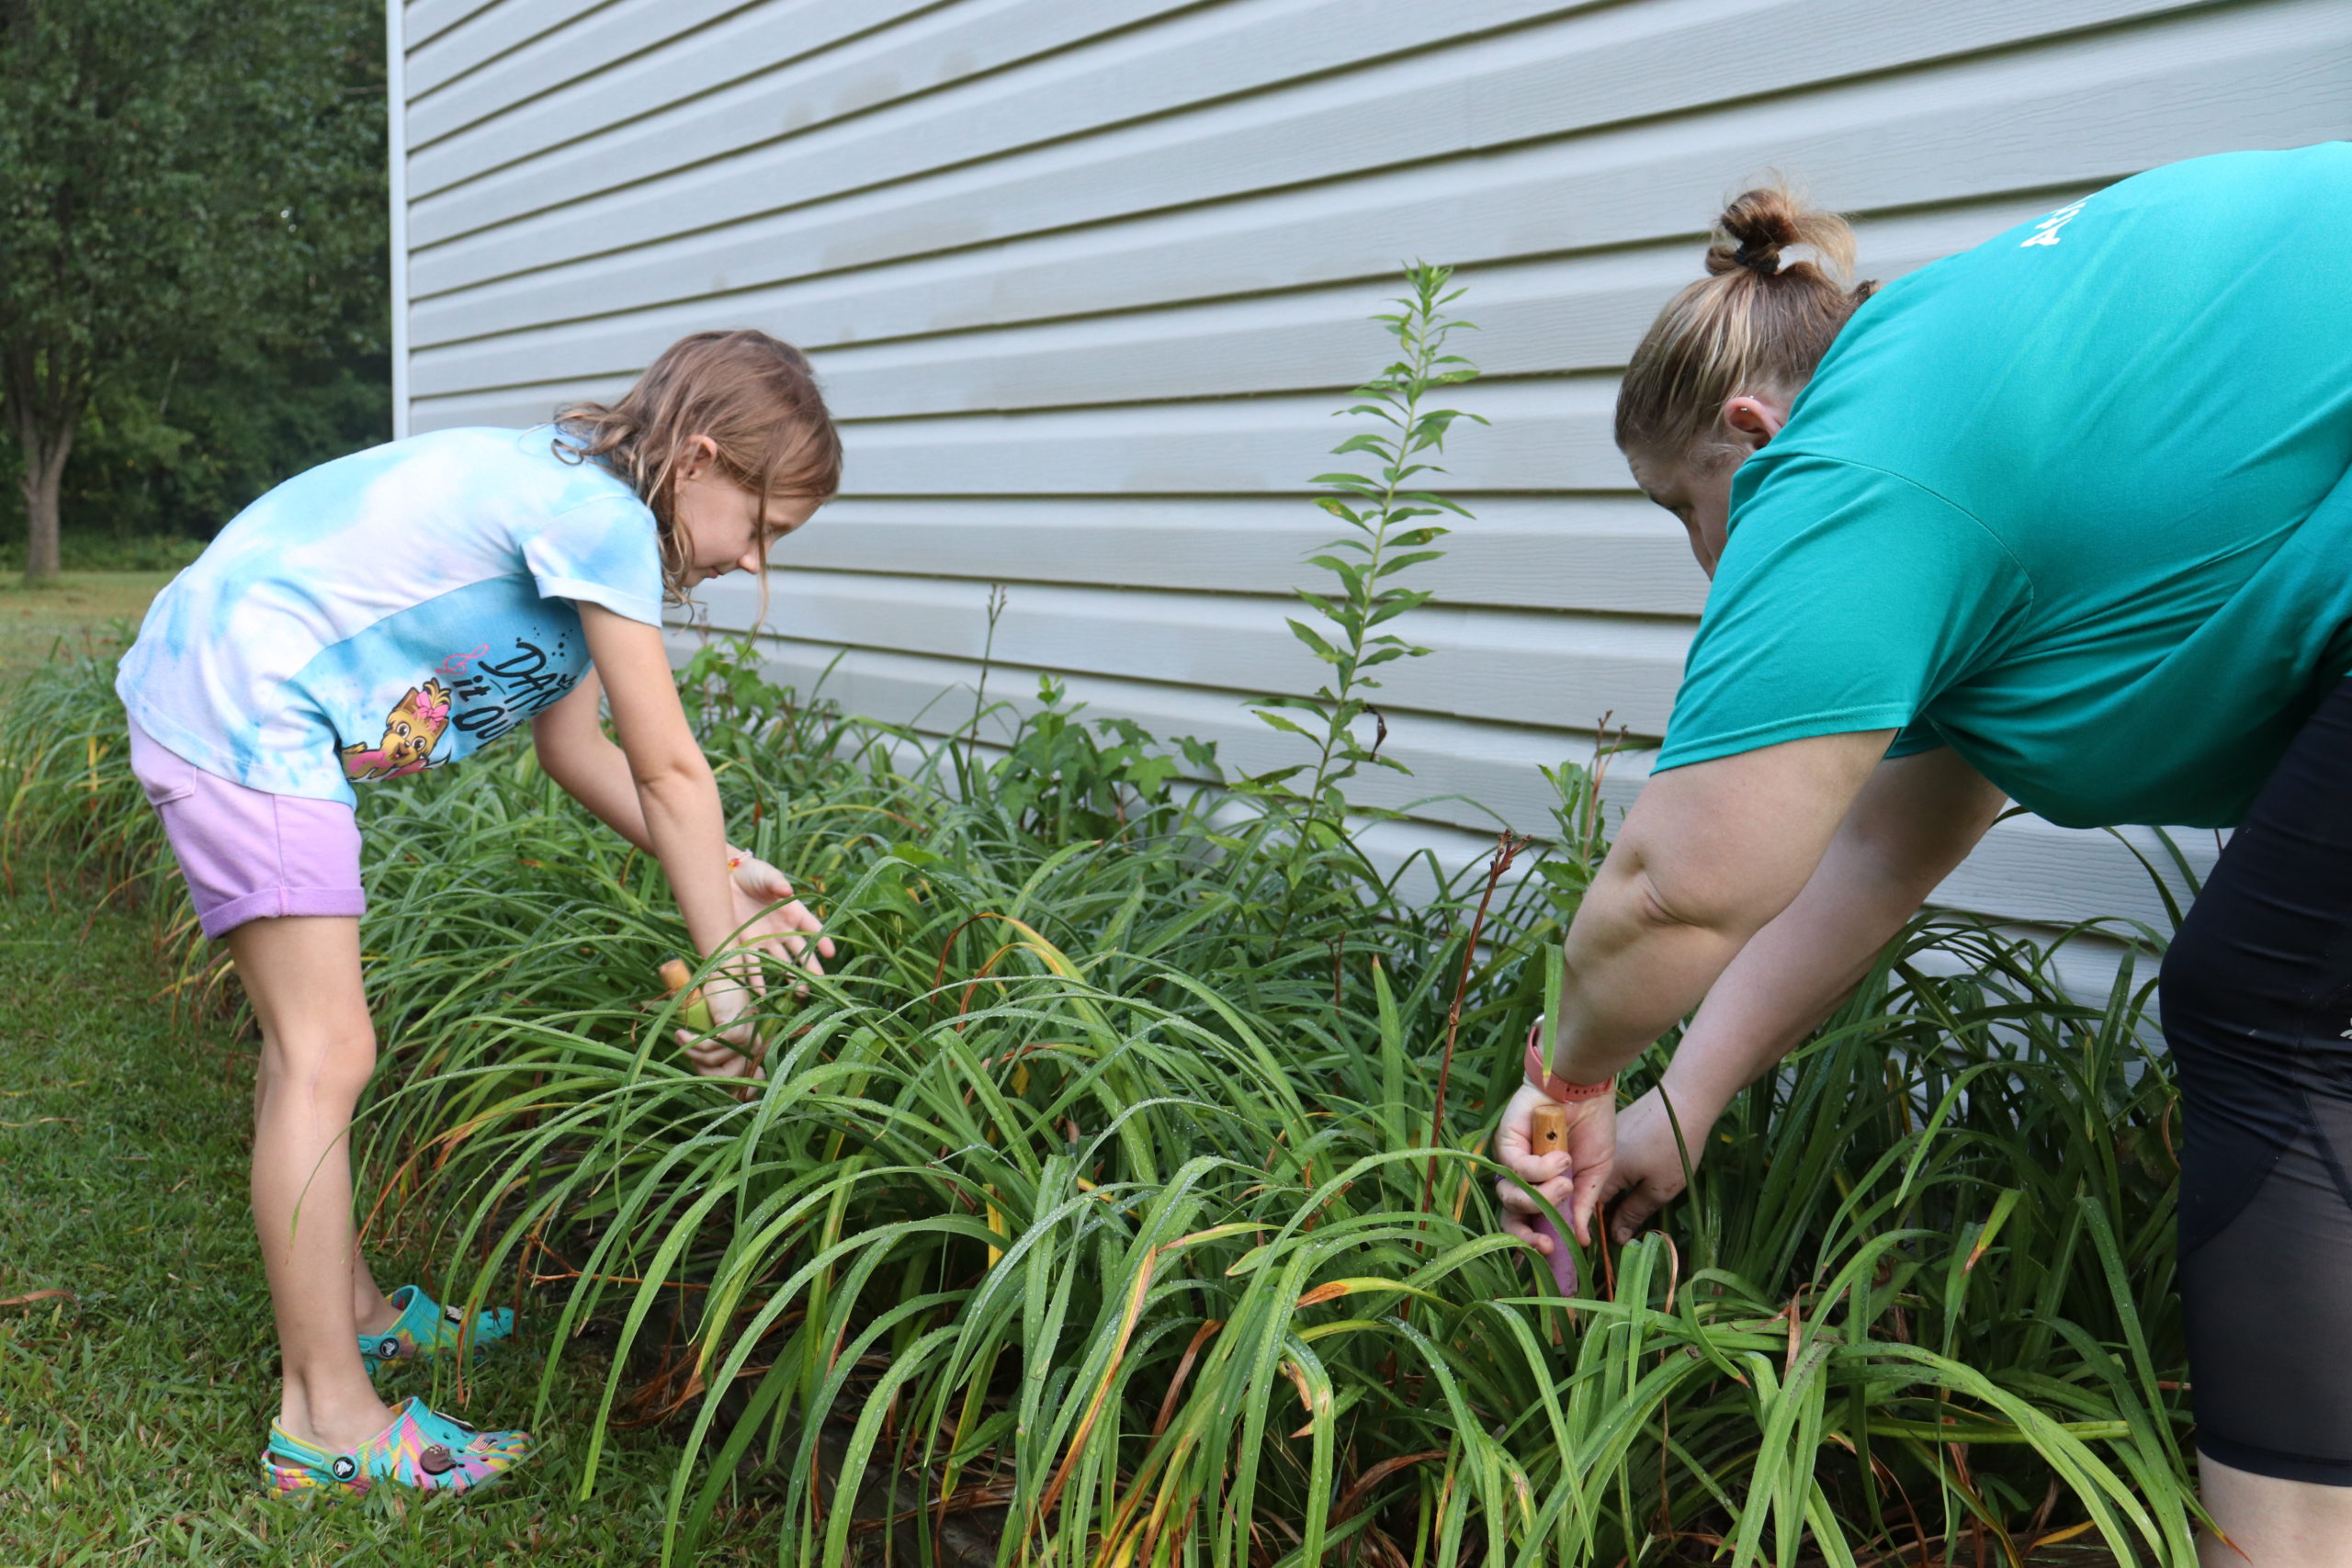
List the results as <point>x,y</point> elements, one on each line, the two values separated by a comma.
<point>1541,1076</point>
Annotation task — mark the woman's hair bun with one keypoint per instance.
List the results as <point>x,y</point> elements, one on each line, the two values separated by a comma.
<point>1751,325</point>
<point>1761,224</point>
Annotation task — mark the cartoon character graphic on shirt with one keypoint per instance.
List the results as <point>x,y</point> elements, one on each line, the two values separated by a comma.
<point>410,730</point>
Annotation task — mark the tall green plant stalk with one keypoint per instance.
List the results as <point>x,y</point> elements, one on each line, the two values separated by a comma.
<point>997,597</point>
<point>1386,511</point>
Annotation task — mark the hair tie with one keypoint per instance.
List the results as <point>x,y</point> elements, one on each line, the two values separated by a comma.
<point>1762,267</point>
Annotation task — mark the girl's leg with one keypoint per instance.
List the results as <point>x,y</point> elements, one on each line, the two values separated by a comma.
<point>371,1311</point>
<point>317,1048</point>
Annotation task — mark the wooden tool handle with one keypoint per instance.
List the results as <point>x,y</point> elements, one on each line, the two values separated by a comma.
<point>1548,1134</point>
<point>693,1012</point>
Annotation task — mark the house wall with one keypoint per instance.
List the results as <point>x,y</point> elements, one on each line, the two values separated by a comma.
<point>1085,279</point>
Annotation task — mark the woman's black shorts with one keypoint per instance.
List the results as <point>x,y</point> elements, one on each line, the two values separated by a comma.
<point>2257,1006</point>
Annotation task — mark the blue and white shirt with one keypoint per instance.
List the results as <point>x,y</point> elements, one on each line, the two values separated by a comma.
<point>389,610</point>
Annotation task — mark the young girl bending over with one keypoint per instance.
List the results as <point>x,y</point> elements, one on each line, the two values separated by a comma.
<point>393,611</point>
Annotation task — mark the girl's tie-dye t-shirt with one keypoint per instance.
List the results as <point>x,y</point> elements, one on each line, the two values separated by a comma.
<point>389,610</point>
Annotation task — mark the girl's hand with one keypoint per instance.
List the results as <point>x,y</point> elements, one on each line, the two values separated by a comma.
<point>1649,1172</point>
<point>773,922</point>
<point>1571,1181</point>
<point>775,925</point>
<point>733,1051</point>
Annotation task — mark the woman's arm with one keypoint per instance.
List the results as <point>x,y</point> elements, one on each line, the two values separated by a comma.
<point>1708,854</point>
<point>1913,823</point>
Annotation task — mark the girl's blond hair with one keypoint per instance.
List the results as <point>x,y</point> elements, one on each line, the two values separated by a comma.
<point>1751,326</point>
<point>754,396</point>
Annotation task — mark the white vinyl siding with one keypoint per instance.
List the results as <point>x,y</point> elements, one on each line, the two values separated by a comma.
<point>1085,279</point>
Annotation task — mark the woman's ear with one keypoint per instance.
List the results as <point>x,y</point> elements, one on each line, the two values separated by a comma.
<point>1753,421</point>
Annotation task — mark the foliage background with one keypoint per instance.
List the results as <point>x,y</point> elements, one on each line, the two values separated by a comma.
<point>243,363</point>
<point>1089,1217</point>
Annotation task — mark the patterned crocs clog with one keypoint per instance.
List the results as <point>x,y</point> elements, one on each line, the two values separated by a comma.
<point>422,1447</point>
<point>426,1330</point>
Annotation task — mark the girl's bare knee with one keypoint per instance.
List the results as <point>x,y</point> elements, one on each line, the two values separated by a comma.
<point>326,1061</point>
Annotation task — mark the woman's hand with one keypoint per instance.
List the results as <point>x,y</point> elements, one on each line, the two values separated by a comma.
<point>772,921</point>
<point>1650,1169</point>
<point>1572,1181</point>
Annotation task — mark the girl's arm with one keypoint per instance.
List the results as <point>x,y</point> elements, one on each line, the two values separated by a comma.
<point>595,772</point>
<point>676,799</point>
<point>569,739</point>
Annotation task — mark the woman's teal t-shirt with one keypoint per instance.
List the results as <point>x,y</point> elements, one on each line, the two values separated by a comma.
<point>2074,503</point>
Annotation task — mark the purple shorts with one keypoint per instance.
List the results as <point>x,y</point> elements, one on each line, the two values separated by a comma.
<point>248,854</point>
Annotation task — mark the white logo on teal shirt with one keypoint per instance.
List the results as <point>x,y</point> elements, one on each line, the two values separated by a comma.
<point>2045,232</point>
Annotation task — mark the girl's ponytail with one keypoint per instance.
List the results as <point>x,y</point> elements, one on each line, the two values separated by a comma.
<point>1754,324</point>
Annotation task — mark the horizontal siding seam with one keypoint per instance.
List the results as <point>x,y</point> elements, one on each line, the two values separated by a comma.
<point>845,41</point>
<point>1674,250</point>
<point>1332,391</point>
<point>1240,698</point>
<point>1213,100</point>
<point>410,28</point>
<point>1385,277</point>
<point>1285,598</point>
<point>1046,232</point>
<point>863,111</point>
<point>1796,91</point>
<point>553,89</point>
<point>477,67</point>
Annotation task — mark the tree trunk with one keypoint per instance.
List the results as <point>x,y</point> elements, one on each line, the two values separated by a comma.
<point>44,462</point>
<point>45,395</point>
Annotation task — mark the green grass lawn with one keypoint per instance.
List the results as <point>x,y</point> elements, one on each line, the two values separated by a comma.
<point>138,1367</point>
<point>78,606</point>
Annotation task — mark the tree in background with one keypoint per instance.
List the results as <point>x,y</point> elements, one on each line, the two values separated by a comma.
<point>191,251</point>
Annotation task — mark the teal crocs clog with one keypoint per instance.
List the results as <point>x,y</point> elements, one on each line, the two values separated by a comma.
<point>426,1330</point>
<point>422,1449</point>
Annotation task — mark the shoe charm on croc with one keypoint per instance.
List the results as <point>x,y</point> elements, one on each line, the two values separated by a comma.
<point>422,1449</point>
<point>427,1330</point>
